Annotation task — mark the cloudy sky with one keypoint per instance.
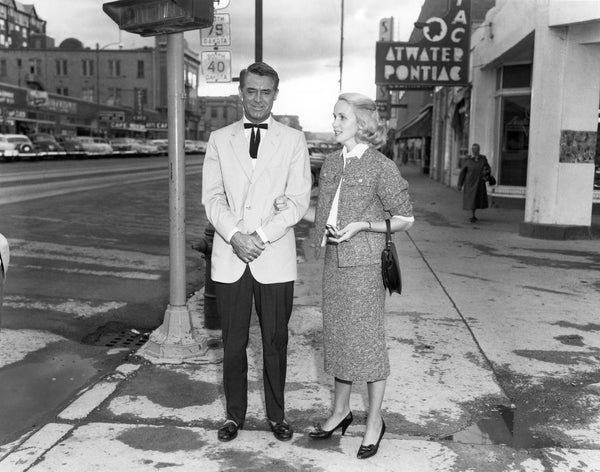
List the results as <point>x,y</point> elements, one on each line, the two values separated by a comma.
<point>301,39</point>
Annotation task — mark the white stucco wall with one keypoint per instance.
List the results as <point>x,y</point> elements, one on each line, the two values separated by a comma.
<point>565,12</point>
<point>565,96</point>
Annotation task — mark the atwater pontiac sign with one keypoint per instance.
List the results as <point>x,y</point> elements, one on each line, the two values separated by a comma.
<point>440,58</point>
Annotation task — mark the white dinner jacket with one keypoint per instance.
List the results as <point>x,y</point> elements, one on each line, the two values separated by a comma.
<point>235,194</point>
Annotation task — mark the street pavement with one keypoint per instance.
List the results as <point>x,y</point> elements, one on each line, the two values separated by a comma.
<point>494,346</point>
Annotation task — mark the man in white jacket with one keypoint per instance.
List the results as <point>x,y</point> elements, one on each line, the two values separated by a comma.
<point>247,165</point>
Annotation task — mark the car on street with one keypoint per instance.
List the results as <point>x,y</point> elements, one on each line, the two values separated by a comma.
<point>22,144</point>
<point>46,143</point>
<point>133,146</point>
<point>163,145</point>
<point>93,148</point>
<point>104,145</point>
<point>151,148</point>
<point>8,151</point>
<point>71,145</point>
<point>317,151</point>
<point>189,147</point>
<point>200,146</point>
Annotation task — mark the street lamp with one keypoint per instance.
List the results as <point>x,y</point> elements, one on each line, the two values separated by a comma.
<point>173,341</point>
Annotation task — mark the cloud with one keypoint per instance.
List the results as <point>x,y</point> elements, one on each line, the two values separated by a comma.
<point>301,39</point>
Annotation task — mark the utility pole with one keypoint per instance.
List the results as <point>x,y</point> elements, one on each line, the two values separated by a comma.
<point>258,31</point>
<point>342,47</point>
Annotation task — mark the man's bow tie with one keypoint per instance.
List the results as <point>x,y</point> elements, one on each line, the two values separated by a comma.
<point>255,137</point>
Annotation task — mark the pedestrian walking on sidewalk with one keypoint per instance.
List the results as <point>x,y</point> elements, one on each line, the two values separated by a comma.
<point>247,165</point>
<point>474,173</point>
<point>359,188</point>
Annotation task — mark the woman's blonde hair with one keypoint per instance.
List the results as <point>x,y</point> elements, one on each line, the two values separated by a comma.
<point>370,128</point>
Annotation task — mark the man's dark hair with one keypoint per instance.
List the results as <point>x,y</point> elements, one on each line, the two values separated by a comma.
<point>262,69</point>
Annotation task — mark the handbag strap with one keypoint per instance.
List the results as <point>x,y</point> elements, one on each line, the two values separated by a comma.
<point>388,233</point>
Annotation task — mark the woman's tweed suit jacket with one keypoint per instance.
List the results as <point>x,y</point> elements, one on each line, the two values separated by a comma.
<point>372,190</point>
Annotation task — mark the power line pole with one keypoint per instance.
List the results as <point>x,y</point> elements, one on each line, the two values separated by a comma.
<point>342,47</point>
<point>258,31</point>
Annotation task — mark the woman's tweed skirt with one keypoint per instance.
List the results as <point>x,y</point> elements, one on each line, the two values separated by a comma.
<point>353,321</point>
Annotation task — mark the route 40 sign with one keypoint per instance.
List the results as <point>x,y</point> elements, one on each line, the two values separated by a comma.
<point>216,66</point>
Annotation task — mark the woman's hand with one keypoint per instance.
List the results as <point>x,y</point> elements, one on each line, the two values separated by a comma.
<point>280,204</point>
<point>349,231</point>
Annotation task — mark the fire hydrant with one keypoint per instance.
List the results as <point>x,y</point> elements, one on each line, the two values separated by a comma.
<point>211,315</point>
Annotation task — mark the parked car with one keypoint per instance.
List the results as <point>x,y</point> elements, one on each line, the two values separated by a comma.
<point>22,144</point>
<point>93,148</point>
<point>163,145</point>
<point>150,147</point>
<point>71,145</point>
<point>189,146</point>
<point>317,151</point>
<point>200,146</point>
<point>104,144</point>
<point>133,146</point>
<point>45,142</point>
<point>8,150</point>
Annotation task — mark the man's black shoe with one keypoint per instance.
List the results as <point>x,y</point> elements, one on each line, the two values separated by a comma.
<point>228,431</point>
<point>282,431</point>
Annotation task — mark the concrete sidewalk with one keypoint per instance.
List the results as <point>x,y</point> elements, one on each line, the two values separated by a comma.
<point>487,324</point>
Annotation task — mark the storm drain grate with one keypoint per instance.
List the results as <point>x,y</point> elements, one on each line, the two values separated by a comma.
<point>129,339</point>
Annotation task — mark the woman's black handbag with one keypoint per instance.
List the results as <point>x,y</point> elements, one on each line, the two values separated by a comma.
<point>491,180</point>
<point>390,264</point>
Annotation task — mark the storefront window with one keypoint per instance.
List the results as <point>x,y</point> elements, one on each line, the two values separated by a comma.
<point>514,84</point>
<point>514,140</point>
<point>516,76</point>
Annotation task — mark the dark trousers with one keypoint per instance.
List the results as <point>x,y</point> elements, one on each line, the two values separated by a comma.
<point>273,304</point>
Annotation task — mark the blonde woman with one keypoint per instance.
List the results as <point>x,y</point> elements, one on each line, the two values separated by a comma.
<point>359,188</point>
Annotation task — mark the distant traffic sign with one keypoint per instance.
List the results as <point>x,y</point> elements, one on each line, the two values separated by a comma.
<point>216,66</point>
<point>106,115</point>
<point>219,34</point>
<point>220,4</point>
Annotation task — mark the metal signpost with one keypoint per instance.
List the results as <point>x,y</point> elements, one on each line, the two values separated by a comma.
<point>173,341</point>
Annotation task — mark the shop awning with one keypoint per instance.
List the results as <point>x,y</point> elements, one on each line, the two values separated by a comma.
<point>419,126</point>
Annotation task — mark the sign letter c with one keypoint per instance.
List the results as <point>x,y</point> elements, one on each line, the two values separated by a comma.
<point>454,36</point>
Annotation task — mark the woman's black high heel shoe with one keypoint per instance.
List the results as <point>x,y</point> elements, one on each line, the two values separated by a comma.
<point>319,433</point>
<point>364,452</point>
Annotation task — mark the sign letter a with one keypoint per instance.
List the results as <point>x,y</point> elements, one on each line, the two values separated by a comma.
<point>461,17</point>
<point>390,56</point>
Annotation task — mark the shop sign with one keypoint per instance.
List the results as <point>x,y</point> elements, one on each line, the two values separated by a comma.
<point>440,58</point>
<point>7,97</point>
<point>157,125</point>
<point>107,115</point>
<point>37,98</point>
<point>17,114</point>
<point>128,126</point>
<point>63,106</point>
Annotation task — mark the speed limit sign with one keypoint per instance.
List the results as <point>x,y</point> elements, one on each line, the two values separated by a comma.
<point>216,66</point>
